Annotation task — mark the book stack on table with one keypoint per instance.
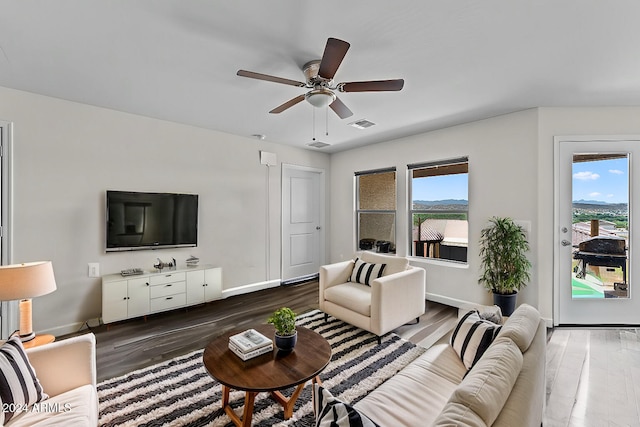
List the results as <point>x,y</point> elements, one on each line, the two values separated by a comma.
<point>249,344</point>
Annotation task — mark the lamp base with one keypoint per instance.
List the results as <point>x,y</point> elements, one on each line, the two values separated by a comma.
<point>28,337</point>
<point>26,328</point>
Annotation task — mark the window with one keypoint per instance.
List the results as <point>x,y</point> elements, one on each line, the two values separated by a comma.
<point>439,209</point>
<point>376,210</point>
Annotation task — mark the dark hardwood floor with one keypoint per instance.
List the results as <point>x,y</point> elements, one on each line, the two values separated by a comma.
<point>125,346</point>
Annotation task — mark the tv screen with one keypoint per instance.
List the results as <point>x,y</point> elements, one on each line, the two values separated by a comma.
<point>138,220</point>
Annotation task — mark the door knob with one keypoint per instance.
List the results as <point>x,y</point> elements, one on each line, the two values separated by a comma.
<point>566,243</point>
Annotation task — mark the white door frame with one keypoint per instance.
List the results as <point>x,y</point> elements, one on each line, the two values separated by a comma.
<point>9,309</point>
<point>322,195</point>
<point>558,236</point>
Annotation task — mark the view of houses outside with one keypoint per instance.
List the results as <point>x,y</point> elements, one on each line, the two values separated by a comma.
<point>440,216</point>
<point>600,230</point>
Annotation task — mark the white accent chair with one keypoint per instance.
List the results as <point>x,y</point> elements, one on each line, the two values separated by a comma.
<point>67,371</point>
<point>392,300</point>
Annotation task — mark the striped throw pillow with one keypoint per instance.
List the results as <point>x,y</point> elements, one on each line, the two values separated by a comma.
<point>365,273</point>
<point>19,386</point>
<point>331,412</point>
<point>472,336</point>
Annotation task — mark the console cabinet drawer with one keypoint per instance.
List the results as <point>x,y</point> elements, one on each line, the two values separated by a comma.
<point>167,289</point>
<point>168,302</point>
<point>162,278</point>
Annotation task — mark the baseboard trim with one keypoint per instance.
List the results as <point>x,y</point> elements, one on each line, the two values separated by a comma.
<point>453,302</point>
<point>252,287</point>
<point>71,328</point>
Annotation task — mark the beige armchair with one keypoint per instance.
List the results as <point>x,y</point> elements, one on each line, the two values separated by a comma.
<point>390,301</point>
<point>67,371</point>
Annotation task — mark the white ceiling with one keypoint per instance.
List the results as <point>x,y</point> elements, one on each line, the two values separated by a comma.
<point>461,60</point>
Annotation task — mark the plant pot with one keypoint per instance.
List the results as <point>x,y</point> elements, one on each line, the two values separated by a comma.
<point>506,302</point>
<point>286,342</point>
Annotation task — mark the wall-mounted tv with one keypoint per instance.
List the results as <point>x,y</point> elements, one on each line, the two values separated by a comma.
<point>137,220</point>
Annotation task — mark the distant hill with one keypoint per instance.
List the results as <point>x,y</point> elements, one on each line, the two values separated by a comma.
<point>589,202</point>
<point>445,202</point>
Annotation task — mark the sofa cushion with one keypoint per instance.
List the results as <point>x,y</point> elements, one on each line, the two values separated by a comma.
<point>521,326</point>
<point>472,336</point>
<point>365,273</point>
<point>458,415</point>
<point>331,412</point>
<point>19,386</point>
<point>354,296</point>
<point>486,388</point>
<point>415,395</point>
<point>394,264</point>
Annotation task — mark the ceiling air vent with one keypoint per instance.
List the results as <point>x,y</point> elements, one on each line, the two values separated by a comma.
<point>362,124</point>
<point>318,144</point>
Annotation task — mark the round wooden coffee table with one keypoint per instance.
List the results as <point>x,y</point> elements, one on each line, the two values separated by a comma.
<point>270,372</point>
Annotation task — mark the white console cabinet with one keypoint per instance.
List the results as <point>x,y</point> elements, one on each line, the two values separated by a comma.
<point>152,292</point>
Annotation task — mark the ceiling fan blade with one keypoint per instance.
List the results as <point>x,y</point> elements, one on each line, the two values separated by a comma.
<point>290,103</point>
<point>334,53</point>
<point>260,76</point>
<point>372,86</point>
<point>340,109</point>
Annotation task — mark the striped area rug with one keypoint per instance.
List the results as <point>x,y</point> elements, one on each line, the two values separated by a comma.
<point>180,392</point>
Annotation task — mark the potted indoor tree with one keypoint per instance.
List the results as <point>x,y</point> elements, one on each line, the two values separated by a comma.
<point>504,265</point>
<point>284,321</point>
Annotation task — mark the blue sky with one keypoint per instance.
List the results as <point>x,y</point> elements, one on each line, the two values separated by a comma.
<point>604,180</point>
<point>441,187</point>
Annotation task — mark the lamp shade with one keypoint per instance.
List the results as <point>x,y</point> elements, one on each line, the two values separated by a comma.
<point>28,280</point>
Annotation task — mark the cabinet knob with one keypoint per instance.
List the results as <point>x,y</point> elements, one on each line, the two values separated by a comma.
<point>147,283</point>
<point>169,285</point>
<point>124,298</point>
<point>169,297</point>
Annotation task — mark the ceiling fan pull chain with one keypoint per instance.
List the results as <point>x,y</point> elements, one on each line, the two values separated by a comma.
<point>313,127</point>
<point>326,125</point>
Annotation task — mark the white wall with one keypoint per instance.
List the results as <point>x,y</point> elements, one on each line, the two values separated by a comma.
<point>503,181</point>
<point>65,155</point>
<point>565,122</point>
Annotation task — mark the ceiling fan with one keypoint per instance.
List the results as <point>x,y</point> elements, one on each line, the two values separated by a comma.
<point>319,75</point>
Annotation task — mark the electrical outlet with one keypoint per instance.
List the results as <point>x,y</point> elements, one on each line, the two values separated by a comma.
<point>94,269</point>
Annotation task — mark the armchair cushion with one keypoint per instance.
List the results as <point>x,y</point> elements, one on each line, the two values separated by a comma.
<point>19,387</point>
<point>353,296</point>
<point>364,272</point>
<point>394,264</point>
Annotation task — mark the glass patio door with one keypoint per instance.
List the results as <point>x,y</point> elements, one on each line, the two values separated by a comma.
<point>594,232</point>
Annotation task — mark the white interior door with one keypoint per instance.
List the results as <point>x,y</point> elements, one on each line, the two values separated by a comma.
<point>302,221</point>
<point>595,236</point>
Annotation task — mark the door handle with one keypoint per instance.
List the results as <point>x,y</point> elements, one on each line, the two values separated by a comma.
<point>566,242</point>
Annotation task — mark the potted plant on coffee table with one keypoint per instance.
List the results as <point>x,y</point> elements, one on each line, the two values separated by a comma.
<point>504,265</point>
<point>284,321</point>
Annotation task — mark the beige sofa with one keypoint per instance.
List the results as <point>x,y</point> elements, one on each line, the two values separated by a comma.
<point>389,302</point>
<point>505,388</point>
<point>67,371</point>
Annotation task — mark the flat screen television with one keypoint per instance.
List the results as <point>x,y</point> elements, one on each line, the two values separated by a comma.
<point>137,220</point>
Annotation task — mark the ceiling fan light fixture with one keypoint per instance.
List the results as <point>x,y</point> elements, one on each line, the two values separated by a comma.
<point>320,97</point>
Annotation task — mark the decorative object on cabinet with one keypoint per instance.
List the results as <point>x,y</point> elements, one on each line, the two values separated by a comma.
<point>23,282</point>
<point>192,261</point>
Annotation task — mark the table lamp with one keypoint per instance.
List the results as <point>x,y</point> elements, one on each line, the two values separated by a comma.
<point>23,282</point>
